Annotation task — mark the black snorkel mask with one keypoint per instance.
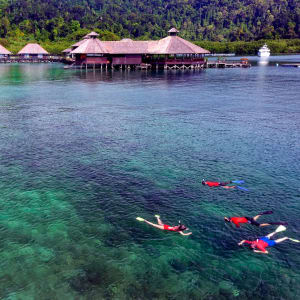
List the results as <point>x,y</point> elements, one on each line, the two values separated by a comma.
<point>181,226</point>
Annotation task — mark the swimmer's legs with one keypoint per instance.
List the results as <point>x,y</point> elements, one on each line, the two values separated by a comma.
<point>159,220</point>
<point>273,223</point>
<point>225,183</point>
<point>264,224</point>
<point>155,225</point>
<point>281,240</point>
<point>256,217</point>
<point>270,234</point>
<point>269,212</point>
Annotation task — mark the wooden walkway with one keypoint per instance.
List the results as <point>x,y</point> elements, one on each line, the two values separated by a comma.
<point>30,60</point>
<point>228,64</point>
<point>293,65</point>
<point>167,65</point>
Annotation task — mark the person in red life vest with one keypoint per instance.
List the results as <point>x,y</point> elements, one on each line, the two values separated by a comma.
<point>224,184</point>
<point>263,242</point>
<point>160,225</point>
<point>237,221</point>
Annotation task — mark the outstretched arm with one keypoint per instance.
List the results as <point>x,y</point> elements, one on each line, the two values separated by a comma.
<point>241,242</point>
<point>182,233</point>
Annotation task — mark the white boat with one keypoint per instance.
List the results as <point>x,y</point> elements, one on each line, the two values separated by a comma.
<point>264,51</point>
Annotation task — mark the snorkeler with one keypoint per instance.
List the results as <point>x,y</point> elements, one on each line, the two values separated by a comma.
<point>225,184</point>
<point>160,225</point>
<point>253,221</point>
<point>215,183</point>
<point>263,242</point>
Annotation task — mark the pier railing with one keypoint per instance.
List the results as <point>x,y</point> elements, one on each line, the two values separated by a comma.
<point>17,59</point>
<point>178,61</point>
<point>223,63</point>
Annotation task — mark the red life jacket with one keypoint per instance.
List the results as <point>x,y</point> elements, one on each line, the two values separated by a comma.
<point>167,227</point>
<point>212,183</point>
<point>238,220</point>
<point>261,245</point>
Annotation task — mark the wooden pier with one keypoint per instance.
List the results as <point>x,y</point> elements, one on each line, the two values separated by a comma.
<point>168,64</point>
<point>292,65</point>
<point>12,60</point>
<point>243,63</point>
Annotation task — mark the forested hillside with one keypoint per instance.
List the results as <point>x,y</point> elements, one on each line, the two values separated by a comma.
<point>214,20</point>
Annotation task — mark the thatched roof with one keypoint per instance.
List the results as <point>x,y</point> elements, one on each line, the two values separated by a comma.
<point>67,50</point>
<point>92,34</point>
<point>126,40</point>
<point>87,36</point>
<point>172,44</point>
<point>175,45</point>
<point>168,45</point>
<point>173,30</point>
<point>79,43</point>
<point>126,46</point>
<point>4,51</point>
<point>33,49</point>
<point>90,46</point>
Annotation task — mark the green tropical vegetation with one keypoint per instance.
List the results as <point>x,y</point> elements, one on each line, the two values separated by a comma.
<point>239,26</point>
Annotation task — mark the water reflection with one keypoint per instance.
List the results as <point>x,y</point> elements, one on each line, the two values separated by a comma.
<point>24,73</point>
<point>263,61</point>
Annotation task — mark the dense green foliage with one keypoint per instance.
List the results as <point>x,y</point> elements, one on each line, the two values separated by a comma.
<point>251,48</point>
<point>64,21</point>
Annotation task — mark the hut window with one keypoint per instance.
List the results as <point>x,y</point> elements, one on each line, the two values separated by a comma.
<point>93,55</point>
<point>40,55</point>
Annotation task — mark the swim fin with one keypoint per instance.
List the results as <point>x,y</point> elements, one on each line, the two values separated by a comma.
<point>140,219</point>
<point>157,216</point>
<point>238,181</point>
<point>242,188</point>
<point>278,223</point>
<point>268,212</point>
<point>296,241</point>
<point>280,228</point>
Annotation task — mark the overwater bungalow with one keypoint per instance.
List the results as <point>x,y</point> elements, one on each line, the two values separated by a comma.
<point>4,53</point>
<point>171,52</point>
<point>66,53</point>
<point>33,52</point>
<point>90,51</point>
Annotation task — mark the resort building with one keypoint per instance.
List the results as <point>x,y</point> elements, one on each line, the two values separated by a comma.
<point>4,53</point>
<point>66,52</point>
<point>33,51</point>
<point>171,52</point>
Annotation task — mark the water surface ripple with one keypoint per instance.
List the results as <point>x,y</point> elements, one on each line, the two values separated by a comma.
<point>83,153</point>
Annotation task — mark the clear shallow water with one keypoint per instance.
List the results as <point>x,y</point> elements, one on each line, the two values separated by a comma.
<point>84,153</point>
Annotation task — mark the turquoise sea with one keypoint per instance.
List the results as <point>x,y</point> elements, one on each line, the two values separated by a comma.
<point>83,153</point>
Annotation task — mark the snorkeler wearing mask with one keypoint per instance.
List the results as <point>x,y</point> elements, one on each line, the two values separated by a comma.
<point>160,225</point>
<point>263,242</point>
<point>252,220</point>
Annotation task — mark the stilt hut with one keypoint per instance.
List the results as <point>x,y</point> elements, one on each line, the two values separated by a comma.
<point>76,45</point>
<point>126,53</point>
<point>66,52</point>
<point>174,52</point>
<point>33,51</point>
<point>171,52</point>
<point>91,52</point>
<point>4,53</point>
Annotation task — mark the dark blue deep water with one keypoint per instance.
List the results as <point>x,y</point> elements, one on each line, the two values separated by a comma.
<point>82,154</point>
